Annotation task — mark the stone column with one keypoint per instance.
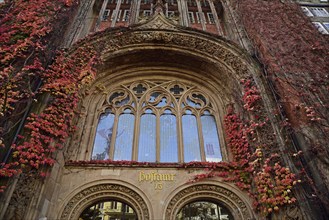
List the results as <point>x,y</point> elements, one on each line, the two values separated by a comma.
<point>214,13</point>
<point>115,14</point>
<point>133,13</point>
<point>183,10</point>
<point>138,6</point>
<point>166,12</point>
<point>201,15</point>
<point>103,8</point>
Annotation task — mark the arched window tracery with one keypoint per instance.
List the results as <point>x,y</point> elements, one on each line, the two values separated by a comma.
<point>152,121</point>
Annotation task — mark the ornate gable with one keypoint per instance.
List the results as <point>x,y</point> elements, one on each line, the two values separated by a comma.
<point>158,21</point>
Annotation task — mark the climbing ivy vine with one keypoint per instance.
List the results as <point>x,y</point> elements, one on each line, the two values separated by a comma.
<point>295,63</point>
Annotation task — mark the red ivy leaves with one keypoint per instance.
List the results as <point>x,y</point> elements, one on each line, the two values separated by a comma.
<point>22,32</point>
<point>265,179</point>
<point>63,81</point>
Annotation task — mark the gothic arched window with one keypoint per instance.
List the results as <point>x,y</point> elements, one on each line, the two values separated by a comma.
<point>157,122</point>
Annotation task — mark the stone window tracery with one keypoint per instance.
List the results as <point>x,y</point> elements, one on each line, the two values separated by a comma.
<point>157,122</point>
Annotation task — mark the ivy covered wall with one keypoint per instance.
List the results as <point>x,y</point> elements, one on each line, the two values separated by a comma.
<point>39,89</point>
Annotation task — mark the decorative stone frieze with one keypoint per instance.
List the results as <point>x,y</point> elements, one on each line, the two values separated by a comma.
<point>90,195</point>
<point>199,44</point>
<point>197,192</point>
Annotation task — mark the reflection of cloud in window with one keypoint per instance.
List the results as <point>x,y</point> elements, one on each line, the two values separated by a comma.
<point>172,108</point>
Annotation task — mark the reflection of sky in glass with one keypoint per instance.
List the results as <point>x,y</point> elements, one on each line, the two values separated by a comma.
<point>123,102</point>
<point>190,138</point>
<point>124,136</point>
<point>147,138</point>
<point>168,138</point>
<point>210,137</point>
<point>103,137</point>
<point>153,96</point>
<point>162,103</point>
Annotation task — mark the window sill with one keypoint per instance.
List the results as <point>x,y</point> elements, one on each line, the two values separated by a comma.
<point>110,163</point>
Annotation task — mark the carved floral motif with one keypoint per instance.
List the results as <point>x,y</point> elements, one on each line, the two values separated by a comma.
<point>168,36</point>
<point>94,193</point>
<point>227,197</point>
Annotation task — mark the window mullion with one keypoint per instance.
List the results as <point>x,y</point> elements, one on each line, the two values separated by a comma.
<point>180,137</point>
<point>114,132</point>
<point>157,135</point>
<point>201,141</point>
<point>138,115</point>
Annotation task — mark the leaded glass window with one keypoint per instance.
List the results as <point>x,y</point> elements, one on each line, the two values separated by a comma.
<point>157,122</point>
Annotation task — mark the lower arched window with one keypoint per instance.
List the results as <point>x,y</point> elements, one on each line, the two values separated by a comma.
<point>108,210</point>
<point>204,210</point>
<point>157,122</point>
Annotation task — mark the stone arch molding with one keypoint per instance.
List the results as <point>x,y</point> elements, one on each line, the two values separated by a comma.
<point>88,196</point>
<point>231,200</point>
<point>117,47</point>
<point>160,33</point>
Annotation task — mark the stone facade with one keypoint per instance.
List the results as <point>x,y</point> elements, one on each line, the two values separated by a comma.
<point>157,48</point>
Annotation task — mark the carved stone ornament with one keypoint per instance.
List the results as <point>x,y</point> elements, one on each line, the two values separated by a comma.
<point>23,196</point>
<point>160,32</point>
<point>293,213</point>
<point>90,195</point>
<point>158,21</point>
<point>228,198</point>
<point>172,39</point>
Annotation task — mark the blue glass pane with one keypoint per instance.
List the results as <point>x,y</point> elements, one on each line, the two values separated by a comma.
<point>190,139</point>
<point>103,137</point>
<point>210,137</point>
<point>193,103</point>
<point>162,103</point>
<point>154,96</point>
<point>168,138</point>
<point>147,138</point>
<point>124,136</point>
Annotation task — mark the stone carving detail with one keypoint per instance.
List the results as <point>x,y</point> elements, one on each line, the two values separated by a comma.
<point>23,196</point>
<point>159,21</point>
<point>92,194</point>
<point>293,213</point>
<point>187,41</point>
<point>227,197</point>
<point>77,24</point>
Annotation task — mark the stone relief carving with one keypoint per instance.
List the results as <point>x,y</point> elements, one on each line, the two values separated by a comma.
<point>292,212</point>
<point>23,196</point>
<point>179,39</point>
<point>76,25</point>
<point>92,194</point>
<point>159,21</point>
<point>223,195</point>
